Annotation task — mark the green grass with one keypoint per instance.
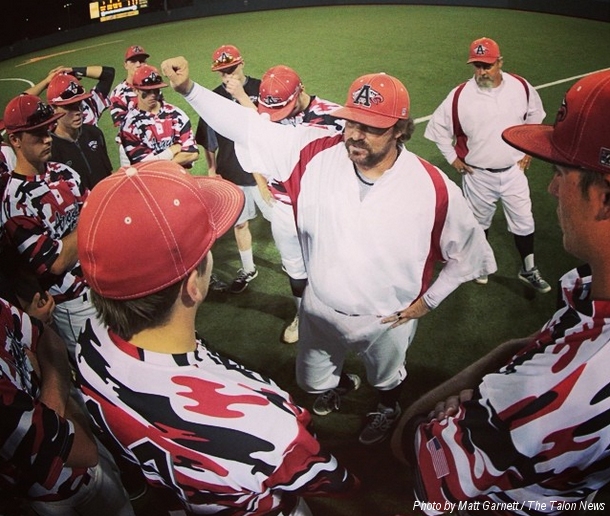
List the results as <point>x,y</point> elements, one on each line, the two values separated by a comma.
<point>426,47</point>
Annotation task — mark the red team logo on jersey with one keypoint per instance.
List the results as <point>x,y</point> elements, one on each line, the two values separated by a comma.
<point>366,96</point>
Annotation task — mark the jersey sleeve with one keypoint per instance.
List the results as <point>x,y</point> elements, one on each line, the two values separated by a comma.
<point>184,132</point>
<point>256,138</point>
<point>36,441</point>
<point>33,242</point>
<point>132,135</point>
<point>440,129</point>
<point>464,249</point>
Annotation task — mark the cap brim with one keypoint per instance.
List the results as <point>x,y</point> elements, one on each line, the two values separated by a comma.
<point>47,122</point>
<point>73,100</point>
<point>280,113</point>
<point>153,87</point>
<point>535,140</point>
<point>224,200</point>
<point>486,60</point>
<point>224,67</point>
<point>145,56</point>
<point>365,117</point>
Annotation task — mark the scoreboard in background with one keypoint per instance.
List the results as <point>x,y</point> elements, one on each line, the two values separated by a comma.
<point>107,10</point>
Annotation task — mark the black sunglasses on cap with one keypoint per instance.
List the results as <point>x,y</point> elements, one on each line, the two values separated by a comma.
<point>152,80</point>
<point>74,90</point>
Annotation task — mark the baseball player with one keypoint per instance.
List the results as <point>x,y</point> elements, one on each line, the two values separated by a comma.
<point>123,96</point>
<point>284,99</point>
<point>98,100</point>
<point>49,455</point>
<point>220,154</point>
<point>39,213</point>
<point>524,430</point>
<point>358,197</point>
<point>154,129</point>
<point>467,126</point>
<point>80,146</point>
<point>224,439</point>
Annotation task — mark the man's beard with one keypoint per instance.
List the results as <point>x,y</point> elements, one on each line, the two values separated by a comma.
<point>484,82</point>
<point>371,159</point>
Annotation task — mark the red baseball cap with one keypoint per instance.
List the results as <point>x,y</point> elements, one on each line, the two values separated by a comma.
<point>226,57</point>
<point>147,226</point>
<point>279,92</point>
<point>484,50</point>
<point>378,100</point>
<point>65,89</point>
<point>136,51</point>
<point>28,112</point>
<point>147,77</point>
<point>580,136</point>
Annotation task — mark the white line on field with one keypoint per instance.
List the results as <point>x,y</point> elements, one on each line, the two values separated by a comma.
<point>30,83</point>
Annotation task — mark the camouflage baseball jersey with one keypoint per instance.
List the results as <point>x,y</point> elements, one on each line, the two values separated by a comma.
<point>143,133</point>
<point>225,439</point>
<point>94,106</point>
<point>535,438</point>
<point>122,99</point>
<point>36,441</point>
<point>37,212</point>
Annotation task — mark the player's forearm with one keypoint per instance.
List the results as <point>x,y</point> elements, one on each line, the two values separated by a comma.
<point>185,158</point>
<point>68,255</point>
<point>52,357</point>
<point>83,453</point>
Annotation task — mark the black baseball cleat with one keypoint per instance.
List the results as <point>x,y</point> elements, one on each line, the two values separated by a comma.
<point>217,285</point>
<point>241,282</point>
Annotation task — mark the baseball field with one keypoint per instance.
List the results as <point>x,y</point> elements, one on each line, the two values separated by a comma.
<point>425,47</point>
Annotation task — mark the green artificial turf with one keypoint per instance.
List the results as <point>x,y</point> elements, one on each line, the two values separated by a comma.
<point>426,47</point>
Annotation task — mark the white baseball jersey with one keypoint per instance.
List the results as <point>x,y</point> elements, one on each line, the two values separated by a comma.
<point>483,115</point>
<point>369,257</point>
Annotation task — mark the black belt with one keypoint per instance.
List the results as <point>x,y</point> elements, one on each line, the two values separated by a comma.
<point>494,170</point>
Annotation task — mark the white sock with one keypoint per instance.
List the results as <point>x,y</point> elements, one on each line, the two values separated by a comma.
<point>247,260</point>
<point>529,262</point>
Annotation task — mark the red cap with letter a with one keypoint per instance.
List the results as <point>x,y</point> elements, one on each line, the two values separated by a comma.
<point>377,100</point>
<point>484,50</point>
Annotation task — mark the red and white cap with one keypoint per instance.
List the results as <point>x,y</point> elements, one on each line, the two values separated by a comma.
<point>147,226</point>
<point>147,77</point>
<point>136,51</point>
<point>484,50</point>
<point>28,112</point>
<point>65,89</point>
<point>226,56</point>
<point>378,100</point>
<point>580,137</point>
<point>279,92</point>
